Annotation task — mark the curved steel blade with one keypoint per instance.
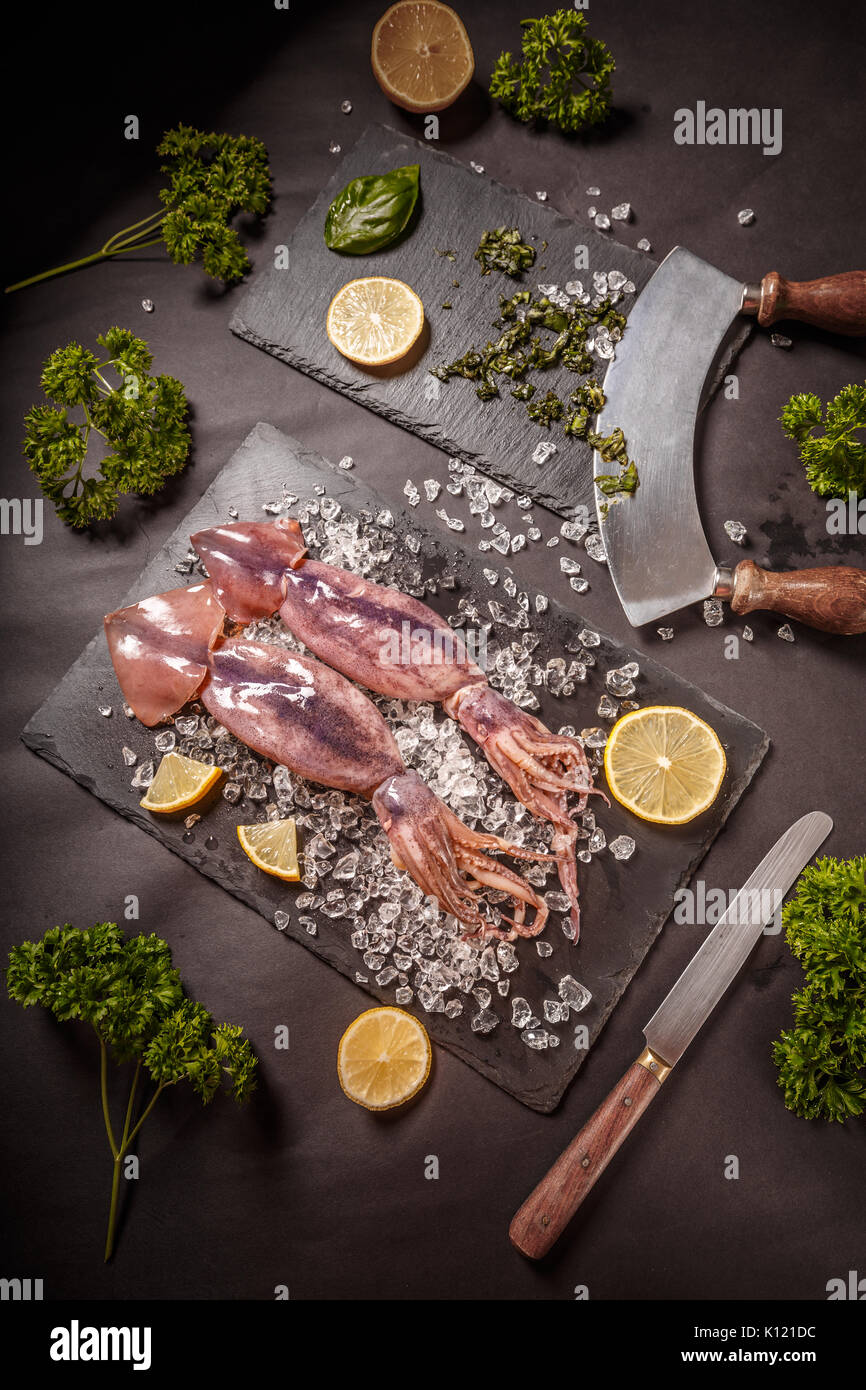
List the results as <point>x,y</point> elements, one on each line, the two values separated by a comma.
<point>657,552</point>
<point>709,972</point>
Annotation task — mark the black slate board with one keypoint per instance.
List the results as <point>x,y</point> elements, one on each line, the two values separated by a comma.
<point>284,311</point>
<point>624,904</point>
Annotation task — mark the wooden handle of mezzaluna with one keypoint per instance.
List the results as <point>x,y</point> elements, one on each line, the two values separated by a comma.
<point>836,302</point>
<point>832,598</point>
<point>548,1210</point>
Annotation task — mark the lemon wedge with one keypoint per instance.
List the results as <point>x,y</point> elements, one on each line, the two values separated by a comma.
<point>273,847</point>
<point>421,55</point>
<point>375,321</point>
<point>383,1058</point>
<point>179,783</point>
<point>664,764</point>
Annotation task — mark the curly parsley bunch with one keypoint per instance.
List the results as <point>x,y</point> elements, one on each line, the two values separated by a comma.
<point>563,78</point>
<point>835,457</point>
<point>128,991</point>
<point>142,420</point>
<point>822,1059</point>
<point>211,178</point>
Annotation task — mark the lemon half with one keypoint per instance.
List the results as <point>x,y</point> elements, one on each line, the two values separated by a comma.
<point>375,320</point>
<point>179,783</point>
<point>421,55</point>
<point>664,764</point>
<point>383,1058</point>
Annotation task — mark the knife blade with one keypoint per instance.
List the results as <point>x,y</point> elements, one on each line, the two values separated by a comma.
<point>549,1208</point>
<point>658,555</point>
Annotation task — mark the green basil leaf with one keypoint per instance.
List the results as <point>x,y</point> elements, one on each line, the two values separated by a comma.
<point>371,212</point>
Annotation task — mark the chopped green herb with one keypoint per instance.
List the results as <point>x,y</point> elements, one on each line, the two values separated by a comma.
<point>612,483</point>
<point>447,304</point>
<point>563,78</point>
<point>822,1059</point>
<point>545,411</point>
<point>142,420</point>
<point>128,991</point>
<point>835,461</point>
<point>503,249</point>
<point>452,255</point>
<point>609,447</point>
<point>519,348</point>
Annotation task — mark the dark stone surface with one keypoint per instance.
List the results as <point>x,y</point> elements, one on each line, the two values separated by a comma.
<point>623,904</point>
<point>303,1188</point>
<point>284,312</point>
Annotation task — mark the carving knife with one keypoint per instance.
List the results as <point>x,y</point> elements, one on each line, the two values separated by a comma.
<point>657,551</point>
<point>546,1213</point>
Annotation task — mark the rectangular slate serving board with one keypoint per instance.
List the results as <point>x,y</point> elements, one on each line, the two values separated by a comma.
<point>284,312</point>
<point>624,903</point>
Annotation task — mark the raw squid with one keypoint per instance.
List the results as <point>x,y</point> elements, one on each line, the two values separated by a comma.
<point>397,646</point>
<point>305,715</point>
<point>254,560</point>
<point>160,648</point>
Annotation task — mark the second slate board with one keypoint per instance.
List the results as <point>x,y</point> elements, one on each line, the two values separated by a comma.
<point>623,904</point>
<point>284,312</point>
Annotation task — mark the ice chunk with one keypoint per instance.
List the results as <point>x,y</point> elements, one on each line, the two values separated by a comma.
<point>571,992</point>
<point>736,531</point>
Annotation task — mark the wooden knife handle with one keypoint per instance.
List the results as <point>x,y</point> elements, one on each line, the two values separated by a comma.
<point>836,302</point>
<point>548,1210</point>
<point>832,598</point>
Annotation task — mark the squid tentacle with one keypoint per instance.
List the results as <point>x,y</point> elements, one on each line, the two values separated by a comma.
<point>445,857</point>
<point>541,768</point>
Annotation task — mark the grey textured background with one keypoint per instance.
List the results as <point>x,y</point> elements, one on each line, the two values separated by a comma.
<point>305,1189</point>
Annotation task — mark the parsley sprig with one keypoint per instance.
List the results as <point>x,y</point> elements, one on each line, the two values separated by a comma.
<point>211,178</point>
<point>835,460</point>
<point>128,991</point>
<point>142,419</point>
<point>822,1059</point>
<point>563,78</point>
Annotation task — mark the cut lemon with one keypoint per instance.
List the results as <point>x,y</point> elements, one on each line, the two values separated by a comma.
<point>383,1058</point>
<point>375,321</point>
<point>422,57</point>
<point>179,783</point>
<point>664,764</point>
<point>272,846</point>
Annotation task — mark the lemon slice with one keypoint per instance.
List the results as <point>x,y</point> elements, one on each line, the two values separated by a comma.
<point>383,1058</point>
<point>179,782</point>
<point>375,321</point>
<point>664,764</point>
<point>272,847</point>
<point>421,55</point>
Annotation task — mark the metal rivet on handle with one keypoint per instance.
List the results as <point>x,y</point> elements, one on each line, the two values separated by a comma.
<point>584,1162</point>
<point>545,1220</point>
<point>627,1100</point>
